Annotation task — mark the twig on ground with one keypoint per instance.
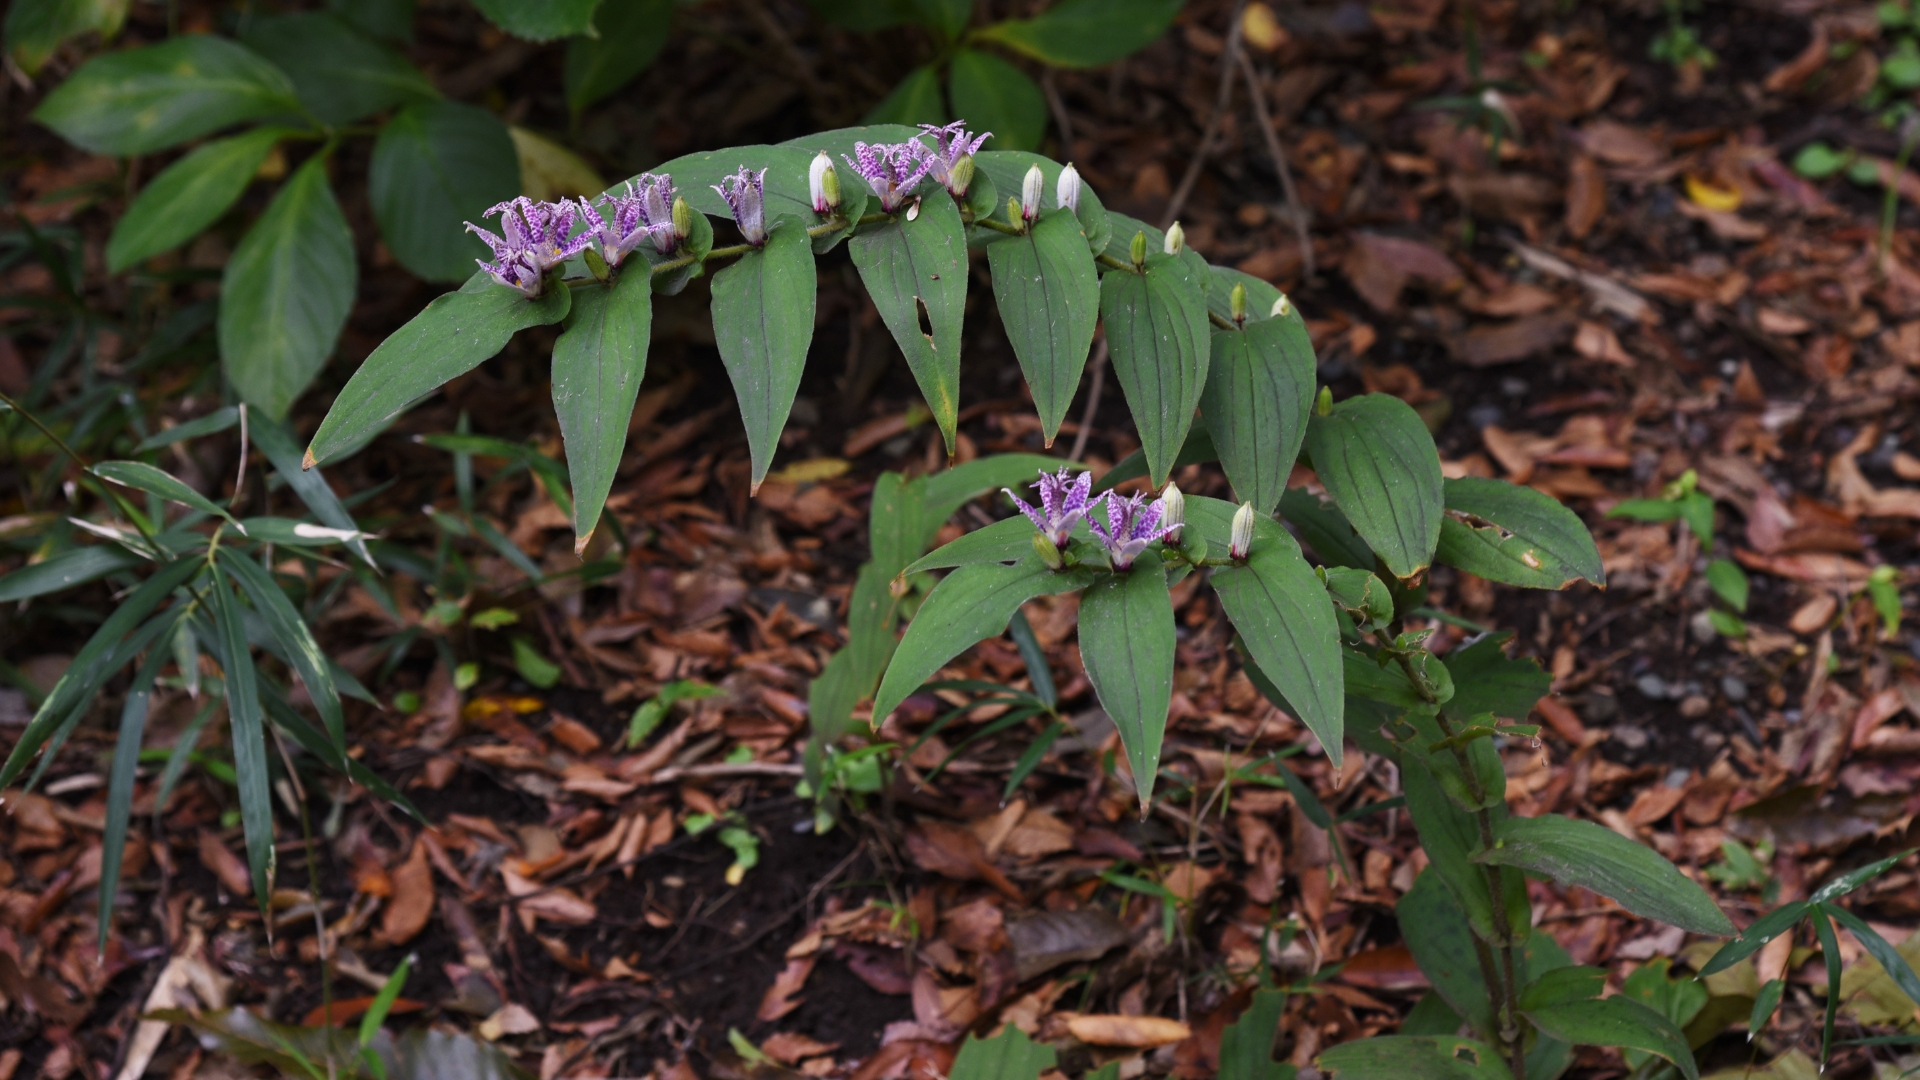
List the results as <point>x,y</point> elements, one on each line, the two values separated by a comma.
<point>1093,400</point>
<point>1059,107</point>
<point>1212,130</point>
<point>1296,211</point>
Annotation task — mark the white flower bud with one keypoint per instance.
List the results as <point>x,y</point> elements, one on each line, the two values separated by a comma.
<point>1176,239</point>
<point>823,184</point>
<point>1067,191</point>
<point>1173,512</point>
<point>1240,541</point>
<point>1030,190</point>
<point>1282,307</point>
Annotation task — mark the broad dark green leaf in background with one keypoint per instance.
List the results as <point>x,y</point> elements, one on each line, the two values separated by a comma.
<point>969,606</point>
<point>1157,330</point>
<point>189,195</point>
<point>865,16</point>
<point>1258,395</point>
<point>1487,680</point>
<point>539,20</point>
<point>1582,853</point>
<point>1515,535</point>
<point>763,323</point>
<point>632,33</point>
<point>1413,1057</point>
<point>598,363</point>
<point>1378,462</point>
<point>916,272</point>
<point>1048,292</point>
<point>436,166</point>
<point>35,28</point>
<point>340,74</point>
<point>147,99</point>
<point>286,292</point>
<point>916,100</point>
<point>949,17</point>
<point>1616,1021</point>
<point>1284,618</point>
<point>1086,33</point>
<point>993,95</point>
<point>388,20</point>
<point>1126,642</point>
<point>450,337</point>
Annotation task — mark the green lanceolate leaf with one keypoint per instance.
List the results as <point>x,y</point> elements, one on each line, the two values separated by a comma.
<point>436,166</point>
<point>188,196</point>
<point>1486,680</point>
<point>77,567</point>
<point>1616,1021</point>
<point>126,760</point>
<point>1376,459</point>
<point>995,96</point>
<point>340,74</point>
<point>249,737</point>
<point>1009,1055</point>
<point>763,323</point>
<point>1246,1047</point>
<point>916,100</point>
<point>1126,641</point>
<point>286,292</point>
<point>1853,879</point>
<point>972,604</point>
<point>155,481</point>
<point>539,20</point>
<point>1413,1057</point>
<point>1582,853</point>
<point>1515,535</point>
<point>1880,949</point>
<point>916,272</point>
<point>275,441</point>
<point>1259,391</point>
<point>597,367</point>
<point>1086,33</point>
<point>1049,297</point>
<point>1285,618</point>
<point>295,639</point>
<point>632,33</point>
<point>1157,330</point>
<point>1755,937</point>
<point>1008,540</point>
<point>452,336</point>
<point>147,99</point>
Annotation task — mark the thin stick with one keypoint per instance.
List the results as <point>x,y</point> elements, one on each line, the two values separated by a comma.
<point>1093,400</point>
<point>1296,211</point>
<point>1220,100</point>
<point>1059,108</point>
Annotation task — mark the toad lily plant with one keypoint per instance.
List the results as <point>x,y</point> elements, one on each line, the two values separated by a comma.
<point>1340,642</point>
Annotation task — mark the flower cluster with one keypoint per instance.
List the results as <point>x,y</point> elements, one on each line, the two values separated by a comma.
<point>645,211</point>
<point>1132,523</point>
<point>950,160</point>
<point>892,170</point>
<point>537,239</point>
<point>746,193</point>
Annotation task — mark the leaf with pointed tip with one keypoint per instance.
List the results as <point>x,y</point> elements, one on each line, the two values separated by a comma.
<point>1126,641</point>
<point>295,638</point>
<point>1048,292</point>
<point>141,476</point>
<point>1258,395</point>
<point>916,272</point>
<point>189,195</point>
<point>249,737</point>
<point>763,323</point>
<point>598,363</point>
<point>81,565</point>
<point>539,20</point>
<point>969,606</point>
<point>1616,1021</point>
<point>1157,330</point>
<point>1284,617</point>
<point>137,101</point>
<point>126,759</point>
<point>286,292</point>
<point>1515,535</point>
<point>1006,540</point>
<point>1880,949</point>
<point>451,337</point>
<point>1378,462</point>
<point>1582,853</point>
<point>1413,1057</point>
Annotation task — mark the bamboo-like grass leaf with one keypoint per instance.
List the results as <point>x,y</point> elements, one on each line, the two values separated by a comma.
<point>249,737</point>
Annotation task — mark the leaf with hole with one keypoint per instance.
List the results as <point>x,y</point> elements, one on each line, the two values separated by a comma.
<point>916,272</point>
<point>1515,535</point>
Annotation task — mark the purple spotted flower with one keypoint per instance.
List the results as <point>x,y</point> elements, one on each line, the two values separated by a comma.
<point>646,210</point>
<point>1064,503</point>
<point>746,193</point>
<point>536,240</point>
<point>1132,524</point>
<point>950,161</point>
<point>892,170</point>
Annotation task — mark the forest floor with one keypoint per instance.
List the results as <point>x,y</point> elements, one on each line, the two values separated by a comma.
<point>1638,286</point>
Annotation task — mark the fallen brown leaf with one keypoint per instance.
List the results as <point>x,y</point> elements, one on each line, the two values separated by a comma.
<point>411,904</point>
<point>1138,1032</point>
